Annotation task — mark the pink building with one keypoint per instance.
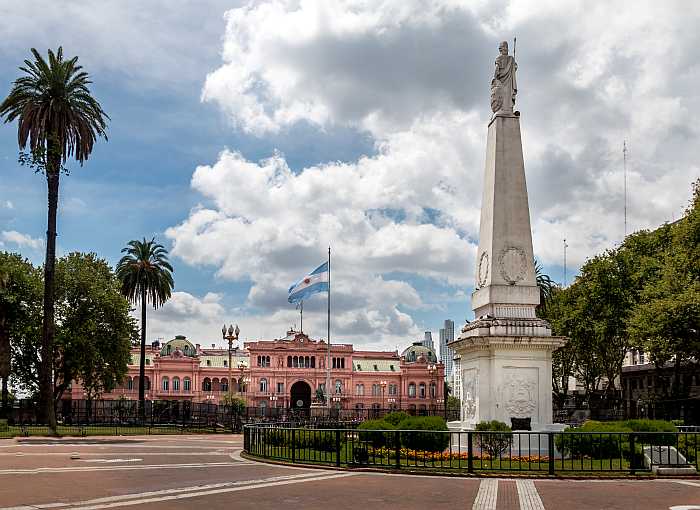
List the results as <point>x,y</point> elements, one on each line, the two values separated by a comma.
<point>287,372</point>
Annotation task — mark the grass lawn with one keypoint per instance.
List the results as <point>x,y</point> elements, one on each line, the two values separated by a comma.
<point>388,461</point>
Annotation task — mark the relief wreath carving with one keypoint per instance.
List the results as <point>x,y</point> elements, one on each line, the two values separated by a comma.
<point>512,263</point>
<point>483,273</point>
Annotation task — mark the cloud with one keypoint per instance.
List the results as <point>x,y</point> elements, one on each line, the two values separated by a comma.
<point>21,240</point>
<point>414,77</point>
<point>386,66</point>
<point>357,63</point>
<point>146,45</point>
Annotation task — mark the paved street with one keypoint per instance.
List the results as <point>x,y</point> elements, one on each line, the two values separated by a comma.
<point>208,472</point>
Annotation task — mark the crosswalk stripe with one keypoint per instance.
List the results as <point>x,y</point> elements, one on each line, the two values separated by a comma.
<point>528,495</point>
<point>487,496</point>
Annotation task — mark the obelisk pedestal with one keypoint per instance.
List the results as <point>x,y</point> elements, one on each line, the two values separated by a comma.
<point>506,352</point>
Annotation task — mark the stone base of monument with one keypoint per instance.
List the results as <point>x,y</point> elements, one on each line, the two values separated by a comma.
<point>506,366</point>
<point>666,460</point>
<point>525,442</point>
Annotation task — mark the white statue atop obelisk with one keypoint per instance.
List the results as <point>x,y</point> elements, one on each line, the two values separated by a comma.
<point>504,86</point>
<point>506,353</point>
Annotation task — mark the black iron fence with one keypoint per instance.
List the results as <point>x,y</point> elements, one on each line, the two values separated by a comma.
<point>567,452</point>
<point>192,415</point>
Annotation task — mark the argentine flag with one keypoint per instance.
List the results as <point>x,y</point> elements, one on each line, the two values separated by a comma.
<point>316,281</point>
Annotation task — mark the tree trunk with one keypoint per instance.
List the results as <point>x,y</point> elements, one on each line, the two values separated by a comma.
<point>4,365</point>
<point>48,328</point>
<point>5,399</point>
<point>142,364</point>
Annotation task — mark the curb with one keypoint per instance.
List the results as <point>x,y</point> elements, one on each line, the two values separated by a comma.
<point>458,474</point>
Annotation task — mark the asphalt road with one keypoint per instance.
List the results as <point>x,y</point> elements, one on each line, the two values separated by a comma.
<point>178,472</point>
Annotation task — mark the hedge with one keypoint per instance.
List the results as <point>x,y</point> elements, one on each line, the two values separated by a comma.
<point>614,438</point>
<point>424,440</point>
<point>375,436</point>
<point>316,439</point>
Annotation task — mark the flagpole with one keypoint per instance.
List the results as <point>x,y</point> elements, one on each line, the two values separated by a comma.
<point>328,355</point>
<point>301,316</point>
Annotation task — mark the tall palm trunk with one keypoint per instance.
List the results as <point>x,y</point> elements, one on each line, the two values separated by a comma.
<point>142,367</point>
<point>48,330</point>
<point>5,399</point>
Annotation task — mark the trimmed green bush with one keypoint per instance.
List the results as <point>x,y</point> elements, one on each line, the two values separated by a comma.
<point>496,439</point>
<point>420,440</point>
<point>375,436</point>
<point>4,427</point>
<point>612,440</point>
<point>315,439</point>
<point>396,417</point>
<point>653,426</point>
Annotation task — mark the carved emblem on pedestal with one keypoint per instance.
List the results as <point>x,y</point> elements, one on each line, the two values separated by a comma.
<point>483,272</point>
<point>512,263</point>
<point>519,392</point>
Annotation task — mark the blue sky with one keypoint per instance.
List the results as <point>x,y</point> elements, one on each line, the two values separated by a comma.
<point>249,137</point>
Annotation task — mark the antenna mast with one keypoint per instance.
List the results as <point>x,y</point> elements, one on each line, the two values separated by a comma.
<point>624,170</point>
<point>565,246</point>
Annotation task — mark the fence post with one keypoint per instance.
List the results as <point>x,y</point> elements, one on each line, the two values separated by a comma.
<point>397,446</point>
<point>633,454</point>
<point>337,447</point>
<point>550,440</point>
<point>470,453</point>
<point>293,447</point>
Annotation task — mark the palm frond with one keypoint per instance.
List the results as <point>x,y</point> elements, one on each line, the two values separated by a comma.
<point>54,108</point>
<point>145,270</point>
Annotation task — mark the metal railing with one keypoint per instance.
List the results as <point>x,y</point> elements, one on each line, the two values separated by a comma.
<point>193,414</point>
<point>547,453</point>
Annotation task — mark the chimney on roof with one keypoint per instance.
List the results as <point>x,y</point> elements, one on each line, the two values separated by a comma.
<point>213,346</point>
<point>197,347</point>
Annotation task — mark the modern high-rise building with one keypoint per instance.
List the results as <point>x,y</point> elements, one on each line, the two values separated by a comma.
<point>447,334</point>
<point>428,340</point>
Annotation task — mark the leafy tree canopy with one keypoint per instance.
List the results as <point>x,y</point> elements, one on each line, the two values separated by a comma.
<point>93,329</point>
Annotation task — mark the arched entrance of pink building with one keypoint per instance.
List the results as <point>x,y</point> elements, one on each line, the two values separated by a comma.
<point>300,394</point>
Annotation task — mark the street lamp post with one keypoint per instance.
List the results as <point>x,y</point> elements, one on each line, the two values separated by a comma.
<point>432,370</point>
<point>383,385</point>
<point>232,335</point>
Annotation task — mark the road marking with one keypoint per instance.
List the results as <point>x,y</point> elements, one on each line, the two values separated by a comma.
<point>109,461</point>
<point>183,493</point>
<point>685,482</point>
<point>41,470</point>
<point>528,495</point>
<point>684,507</point>
<point>162,492</point>
<point>106,454</point>
<point>487,496</point>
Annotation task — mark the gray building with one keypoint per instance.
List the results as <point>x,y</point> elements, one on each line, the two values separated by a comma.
<point>428,340</point>
<point>447,334</point>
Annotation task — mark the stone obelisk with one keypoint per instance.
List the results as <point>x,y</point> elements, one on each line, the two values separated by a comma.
<point>506,352</point>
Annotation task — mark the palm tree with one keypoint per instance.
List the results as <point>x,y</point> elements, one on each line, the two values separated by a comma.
<point>59,119</point>
<point>546,285</point>
<point>145,275</point>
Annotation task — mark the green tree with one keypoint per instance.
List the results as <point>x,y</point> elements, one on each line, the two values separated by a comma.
<point>58,118</point>
<point>145,275</point>
<point>93,330</point>
<point>666,320</point>
<point>20,311</point>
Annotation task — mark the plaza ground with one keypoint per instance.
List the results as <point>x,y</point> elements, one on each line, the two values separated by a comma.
<point>207,471</point>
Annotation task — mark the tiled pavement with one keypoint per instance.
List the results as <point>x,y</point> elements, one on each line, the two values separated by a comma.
<point>186,471</point>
